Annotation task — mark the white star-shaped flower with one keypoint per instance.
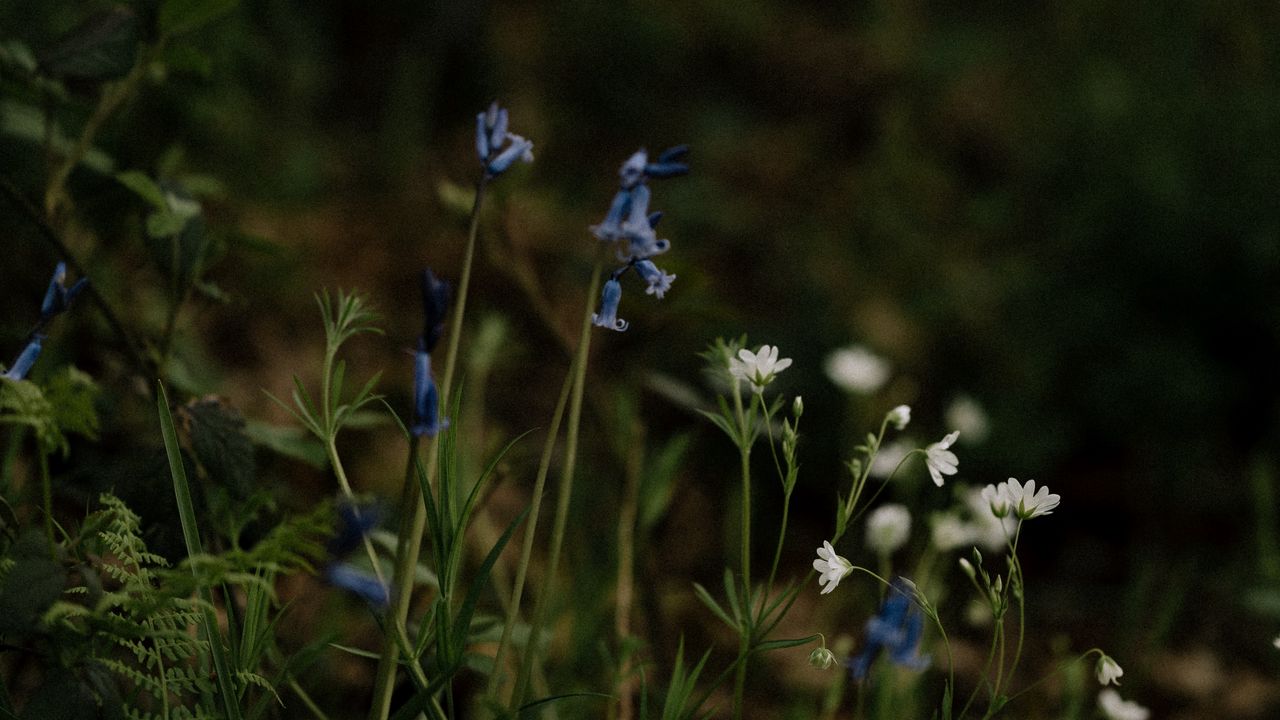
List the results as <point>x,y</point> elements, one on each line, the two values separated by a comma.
<point>888,528</point>
<point>1115,708</point>
<point>899,416</point>
<point>758,368</point>
<point>832,566</point>
<point>1028,502</point>
<point>939,458</point>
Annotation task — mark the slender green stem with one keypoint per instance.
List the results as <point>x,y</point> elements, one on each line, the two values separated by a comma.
<point>343,483</point>
<point>565,491</point>
<point>740,675</point>
<point>991,656</point>
<point>526,551</point>
<point>1061,666</point>
<point>46,491</point>
<point>407,552</point>
<point>777,555</point>
<point>1022,597</point>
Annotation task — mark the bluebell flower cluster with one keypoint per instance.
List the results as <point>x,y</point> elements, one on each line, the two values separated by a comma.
<point>497,148</point>
<point>896,629</point>
<point>57,300</point>
<point>633,228</point>
<point>426,397</point>
<point>354,523</point>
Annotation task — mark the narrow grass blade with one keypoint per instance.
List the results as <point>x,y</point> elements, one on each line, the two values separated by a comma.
<point>191,534</point>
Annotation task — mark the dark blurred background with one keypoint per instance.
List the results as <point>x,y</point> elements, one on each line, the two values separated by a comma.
<point>1065,211</point>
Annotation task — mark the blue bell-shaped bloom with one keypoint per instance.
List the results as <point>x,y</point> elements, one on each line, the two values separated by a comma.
<point>26,359</point>
<point>354,522</point>
<point>611,228</point>
<point>659,282</point>
<point>608,315</point>
<point>352,579</point>
<point>58,298</point>
<point>896,628</point>
<point>426,398</point>
<point>632,171</point>
<point>492,135</point>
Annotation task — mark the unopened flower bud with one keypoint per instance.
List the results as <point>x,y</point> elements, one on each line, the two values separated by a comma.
<point>797,406</point>
<point>967,567</point>
<point>822,658</point>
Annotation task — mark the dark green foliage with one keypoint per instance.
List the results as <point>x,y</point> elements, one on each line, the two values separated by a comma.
<point>216,432</point>
<point>31,584</point>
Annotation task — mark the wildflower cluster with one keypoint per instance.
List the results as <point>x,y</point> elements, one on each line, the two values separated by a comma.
<point>498,148</point>
<point>631,226</point>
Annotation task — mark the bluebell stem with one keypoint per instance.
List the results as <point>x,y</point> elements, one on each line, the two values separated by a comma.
<point>608,315</point>
<point>352,579</point>
<point>491,135</point>
<point>58,298</point>
<point>26,359</point>
<point>897,629</point>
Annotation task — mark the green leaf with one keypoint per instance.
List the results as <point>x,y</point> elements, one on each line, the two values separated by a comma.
<point>31,586</point>
<point>180,16</point>
<point>712,605</point>
<point>462,626</point>
<point>191,535</point>
<point>556,698</point>
<point>657,485</point>
<point>769,645</point>
<point>288,441</point>
<point>144,187</point>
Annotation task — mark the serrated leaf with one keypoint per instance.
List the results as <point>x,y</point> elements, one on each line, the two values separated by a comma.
<point>220,444</point>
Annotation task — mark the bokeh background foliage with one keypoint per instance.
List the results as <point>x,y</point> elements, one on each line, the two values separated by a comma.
<point>1066,211</point>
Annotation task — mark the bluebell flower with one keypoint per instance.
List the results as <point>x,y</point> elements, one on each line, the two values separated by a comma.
<point>491,135</point>
<point>58,298</point>
<point>611,228</point>
<point>350,578</point>
<point>659,281</point>
<point>896,629</point>
<point>435,304</point>
<point>26,359</point>
<point>354,522</point>
<point>608,315</point>
<point>426,398</point>
<point>669,164</point>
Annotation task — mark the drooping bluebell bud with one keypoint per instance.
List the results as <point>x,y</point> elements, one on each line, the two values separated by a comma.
<point>26,359</point>
<point>435,304</point>
<point>666,170</point>
<point>673,154</point>
<point>426,397</point>
<point>482,139</point>
<point>498,131</point>
<point>354,522</point>
<point>492,135</point>
<point>659,282</point>
<point>58,298</point>
<point>608,316</point>
<point>359,582</point>
<point>519,149</point>
<point>655,218</point>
